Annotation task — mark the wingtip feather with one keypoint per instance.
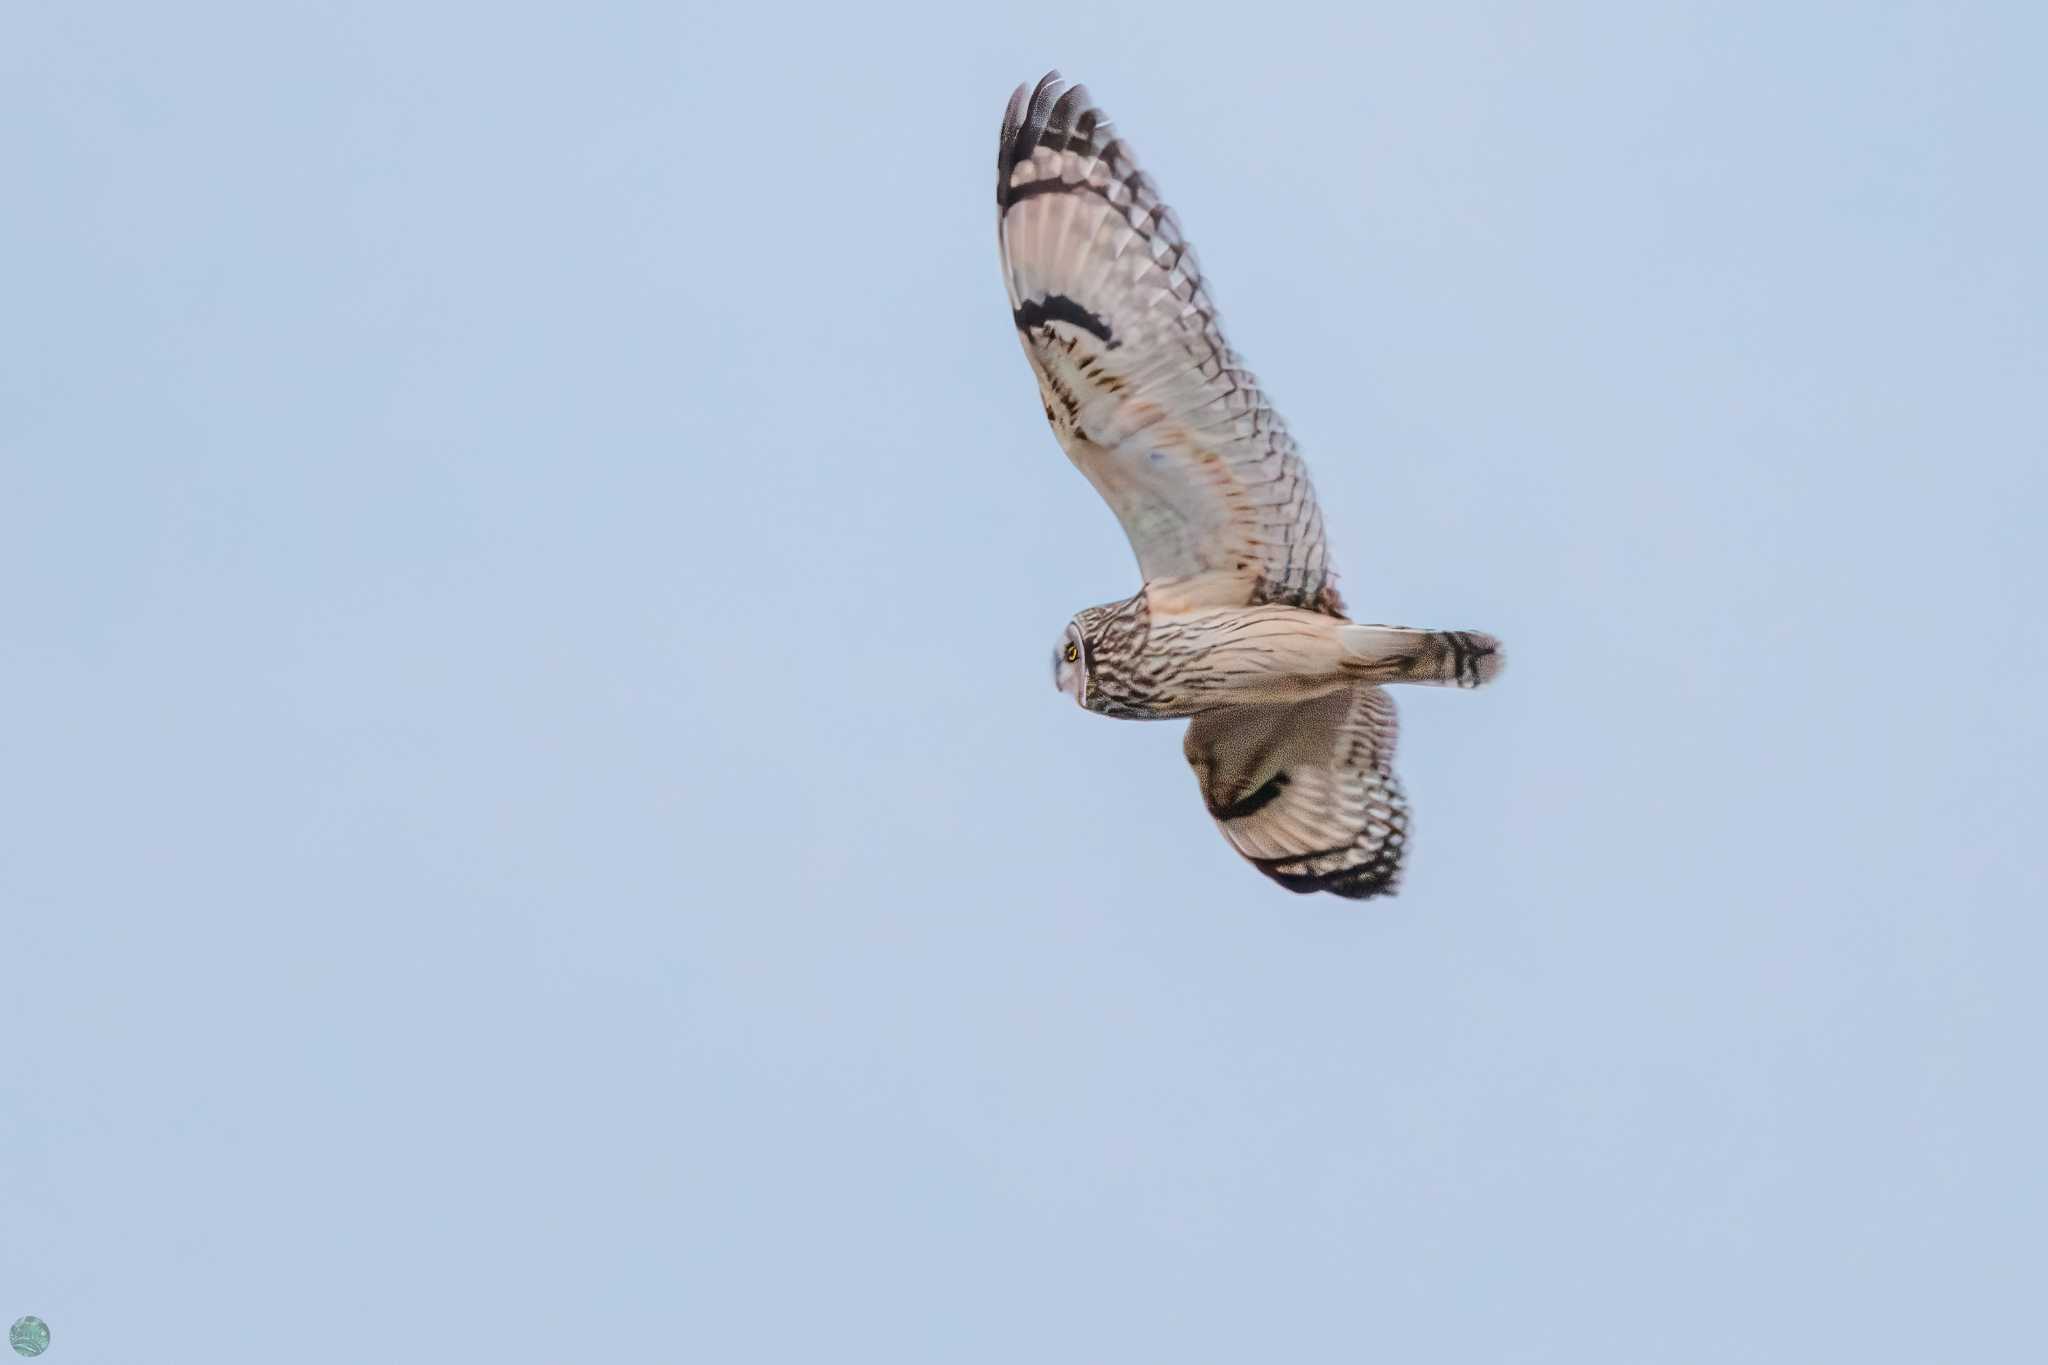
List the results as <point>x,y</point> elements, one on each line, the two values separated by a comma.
<point>1045,113</point>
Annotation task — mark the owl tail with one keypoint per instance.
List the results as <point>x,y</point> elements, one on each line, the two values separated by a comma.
<point>1439,658</point>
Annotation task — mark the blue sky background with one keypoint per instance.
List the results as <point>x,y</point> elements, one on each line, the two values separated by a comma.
<point>533,820</point>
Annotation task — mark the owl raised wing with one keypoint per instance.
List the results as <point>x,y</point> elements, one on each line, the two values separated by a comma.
<point>1143,391</point>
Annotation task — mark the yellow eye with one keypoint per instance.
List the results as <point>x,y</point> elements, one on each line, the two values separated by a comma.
<point>1073,651</point>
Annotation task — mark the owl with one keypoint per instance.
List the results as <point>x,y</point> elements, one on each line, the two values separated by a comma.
<point>1238,626</point>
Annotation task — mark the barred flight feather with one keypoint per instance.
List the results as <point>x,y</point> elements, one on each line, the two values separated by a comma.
<point>1307,792</point>
<point>1143,391</point>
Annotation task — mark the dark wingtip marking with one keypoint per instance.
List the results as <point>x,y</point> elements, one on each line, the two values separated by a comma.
<point>1062,126</point>
<point>1025,124</point>
<point>1253,802</point>
<point>1379,875</point>
<point>1356,884</point>
<point>1035,313</point>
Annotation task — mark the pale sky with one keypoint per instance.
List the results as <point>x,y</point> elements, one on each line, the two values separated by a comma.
<point>535,825</point>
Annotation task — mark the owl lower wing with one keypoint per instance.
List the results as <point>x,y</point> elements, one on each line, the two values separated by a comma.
<point>1140,386</point>
<point>1306,792</point>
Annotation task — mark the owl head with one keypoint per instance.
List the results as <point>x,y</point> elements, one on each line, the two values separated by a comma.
<point>1070,660</point>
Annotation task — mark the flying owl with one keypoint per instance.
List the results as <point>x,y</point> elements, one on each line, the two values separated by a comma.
<point>1238,624</point>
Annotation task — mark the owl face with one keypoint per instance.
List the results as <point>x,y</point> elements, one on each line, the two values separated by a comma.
<point>1070,664</point>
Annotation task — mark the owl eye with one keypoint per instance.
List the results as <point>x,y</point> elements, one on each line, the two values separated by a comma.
<point>1073,651</point>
